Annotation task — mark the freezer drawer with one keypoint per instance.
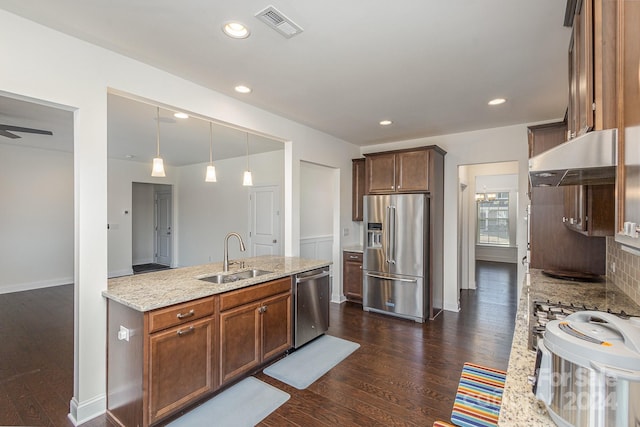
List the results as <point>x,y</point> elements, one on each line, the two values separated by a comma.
<point>401,296</point>
<point>311,306</point>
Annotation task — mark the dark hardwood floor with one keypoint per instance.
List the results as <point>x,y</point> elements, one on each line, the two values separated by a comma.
<point>403,374</point>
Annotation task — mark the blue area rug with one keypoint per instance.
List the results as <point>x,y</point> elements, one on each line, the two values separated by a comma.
<point>244,404</point>
<point>301,368</point>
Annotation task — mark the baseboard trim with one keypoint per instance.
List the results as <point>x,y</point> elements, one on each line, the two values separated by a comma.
<point>118,273</point>
<point>36,285</point>
<point>80,413</point>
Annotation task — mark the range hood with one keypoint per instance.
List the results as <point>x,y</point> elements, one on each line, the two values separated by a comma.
<point>587,159</point>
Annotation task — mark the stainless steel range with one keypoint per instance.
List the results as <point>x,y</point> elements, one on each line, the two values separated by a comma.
<point>545,311</point>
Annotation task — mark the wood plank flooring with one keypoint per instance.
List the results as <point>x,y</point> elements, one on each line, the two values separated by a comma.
<point>403,374</point>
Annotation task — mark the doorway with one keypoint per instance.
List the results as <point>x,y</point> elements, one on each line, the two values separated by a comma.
<point>488,206</point>
<point>152,227</point>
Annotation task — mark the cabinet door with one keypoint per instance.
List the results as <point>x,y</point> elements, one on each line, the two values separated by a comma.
<point>276,325</point>
<point>413,171</point>
<point>628,220</point>
<point>239,341</point>
<point>357,184</point>
<point>180,366</point>
<point>381,174</point>
<point>583,40</point>
<point>352,272</point>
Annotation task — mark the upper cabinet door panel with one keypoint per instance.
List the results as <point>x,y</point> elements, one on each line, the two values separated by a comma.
<point>413,171</point>
<point>381,173</point>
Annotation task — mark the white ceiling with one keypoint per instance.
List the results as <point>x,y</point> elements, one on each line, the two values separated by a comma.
<point>430,66</point>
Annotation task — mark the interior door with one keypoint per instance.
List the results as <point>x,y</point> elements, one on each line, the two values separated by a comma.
<point>264,227</point>
<point>163,228</point>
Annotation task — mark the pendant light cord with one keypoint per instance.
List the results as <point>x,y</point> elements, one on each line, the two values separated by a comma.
<point>210,143</point>
<point>247,150</point>
<point>158,132</point>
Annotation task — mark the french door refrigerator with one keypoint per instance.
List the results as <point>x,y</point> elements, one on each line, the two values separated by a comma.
<point>396,255</point>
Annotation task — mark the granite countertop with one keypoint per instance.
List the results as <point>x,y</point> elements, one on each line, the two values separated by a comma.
<point>353,248</point>
<point>149,291</point>
<point>519,405</point>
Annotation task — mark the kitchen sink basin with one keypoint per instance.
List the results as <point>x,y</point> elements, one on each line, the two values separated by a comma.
<point>234,277</point>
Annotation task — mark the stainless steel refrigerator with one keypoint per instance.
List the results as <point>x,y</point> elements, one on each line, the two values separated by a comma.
<point>396,255</point>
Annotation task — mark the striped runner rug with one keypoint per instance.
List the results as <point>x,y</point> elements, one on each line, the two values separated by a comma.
<point>479,396</point>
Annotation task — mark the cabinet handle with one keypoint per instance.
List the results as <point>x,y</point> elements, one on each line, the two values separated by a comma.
<point>262,309</point>
<point>185,315</point>
<point>353,256</point>
<point>182,332</point>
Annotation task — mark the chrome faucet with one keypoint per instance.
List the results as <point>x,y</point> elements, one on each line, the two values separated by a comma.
<point>225,266</point>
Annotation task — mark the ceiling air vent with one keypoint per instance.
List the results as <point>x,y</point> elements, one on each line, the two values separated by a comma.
<point>279,22</point>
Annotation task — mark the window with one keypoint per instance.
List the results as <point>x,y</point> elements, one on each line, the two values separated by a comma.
<point>493,220</point>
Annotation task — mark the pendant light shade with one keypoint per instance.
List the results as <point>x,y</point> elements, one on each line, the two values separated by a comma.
<point>211,170</point>
<point>158,165</point>
<point>247,180</point>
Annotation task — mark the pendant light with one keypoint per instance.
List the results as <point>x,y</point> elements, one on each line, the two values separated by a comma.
<point>158,165</point>
<point>247,180</point>
<point>211,170</point>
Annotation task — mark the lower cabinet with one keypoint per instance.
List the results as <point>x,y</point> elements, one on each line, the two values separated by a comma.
<point>161,361</point>
<point>352,276</point>
<point>180,367</point>
<point>255,325</point>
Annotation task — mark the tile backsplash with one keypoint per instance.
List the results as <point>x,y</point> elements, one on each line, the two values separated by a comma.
<point>626,274</point>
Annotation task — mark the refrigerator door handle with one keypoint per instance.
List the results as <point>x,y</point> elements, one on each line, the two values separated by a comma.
<point>391,235</point>
<point>394,279</point>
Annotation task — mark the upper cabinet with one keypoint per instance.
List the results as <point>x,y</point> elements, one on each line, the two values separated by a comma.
<point>628,72</point>
<point>402,171</point>
<point>592,66</point>
<point>357,183</point>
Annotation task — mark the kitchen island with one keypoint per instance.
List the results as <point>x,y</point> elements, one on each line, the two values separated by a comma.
<point>519,405</point>
<point>175,338</point>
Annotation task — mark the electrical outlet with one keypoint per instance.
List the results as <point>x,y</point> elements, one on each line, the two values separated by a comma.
<point>613,267</point>
<point>124,334</point>
<point>345,232</point>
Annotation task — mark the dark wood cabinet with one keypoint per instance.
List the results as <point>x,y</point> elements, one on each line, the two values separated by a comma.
<point>401,171</point>
<point>590,209</point>
<point>628,172</point>
<point>352,276</point>
<point>553,245</point>
<point>180,367</point>
<point>255,326</point>
<point>591,60</point>
<point>357,184</point>
<point>166,362</point>
<point>177,355</point>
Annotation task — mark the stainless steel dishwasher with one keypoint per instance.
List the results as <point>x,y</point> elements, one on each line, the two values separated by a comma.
<point>311,317</point>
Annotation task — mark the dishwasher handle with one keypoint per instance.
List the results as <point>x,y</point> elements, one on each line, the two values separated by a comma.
<point>325,273</point>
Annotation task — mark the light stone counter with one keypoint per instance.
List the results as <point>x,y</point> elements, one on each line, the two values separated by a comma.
<point>353,248</point>
<point>519,405</point>
<point>149,291</point>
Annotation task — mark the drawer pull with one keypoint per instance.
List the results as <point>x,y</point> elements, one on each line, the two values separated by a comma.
<point>191,313</point>
<point>353,256</point>
<point>183,332</point>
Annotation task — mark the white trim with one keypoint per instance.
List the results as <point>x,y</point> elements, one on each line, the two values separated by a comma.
<point>118,273</point>
<point>19,287</point>
<point>80,413</point>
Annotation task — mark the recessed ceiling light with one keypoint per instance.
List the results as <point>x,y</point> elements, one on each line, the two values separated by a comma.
<point>243,89</point>
<point>497,101</point>
<point>235,30</point>
<point>385,122</point>
<point>181,115</point>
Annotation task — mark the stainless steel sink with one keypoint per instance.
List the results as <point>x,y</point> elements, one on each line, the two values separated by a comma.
<point>234,277</point>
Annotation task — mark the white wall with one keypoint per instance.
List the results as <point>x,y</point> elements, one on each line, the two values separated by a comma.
<point>36,218</point>
<point>69,72</point>
<point>483,146</point>
<point>316,198</point>
<point>208,211</point>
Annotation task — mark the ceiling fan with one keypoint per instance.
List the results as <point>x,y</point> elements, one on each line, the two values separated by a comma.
<point>7,131</point>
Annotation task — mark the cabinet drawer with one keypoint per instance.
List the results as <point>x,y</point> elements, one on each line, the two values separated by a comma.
<point>353,256</point>
<point>253,293</point>
<point>179,314</point>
